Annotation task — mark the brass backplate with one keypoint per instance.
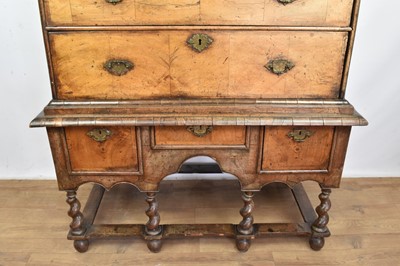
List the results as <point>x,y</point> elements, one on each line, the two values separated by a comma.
<point>200,131</point>
<point>279,66</point>
<point>300,135</point>
<point>99,134</point>
<point>199,42</point>
<point>118,67</point>
<point>114,2</point>
<point>285,2</point>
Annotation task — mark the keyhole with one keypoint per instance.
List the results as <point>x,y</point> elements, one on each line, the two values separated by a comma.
<point>199,41</point>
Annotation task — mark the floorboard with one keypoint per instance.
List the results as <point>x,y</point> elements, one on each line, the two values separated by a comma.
<point>365,225</point>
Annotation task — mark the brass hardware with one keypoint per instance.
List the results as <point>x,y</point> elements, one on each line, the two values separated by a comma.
<point>114,2</point>
<point>99,134</point>
<point>300,135</point>
<point>285,2</point>
<point>200,131</point>
<point>199,42</point>
<point>118,67</point>
<point>279,66</point>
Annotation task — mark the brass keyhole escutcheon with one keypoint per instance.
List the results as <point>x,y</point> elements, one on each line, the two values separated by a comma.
<point>199,42</point>
<point>300,135</point>
<point>200,131</point>
<point>99,134</point>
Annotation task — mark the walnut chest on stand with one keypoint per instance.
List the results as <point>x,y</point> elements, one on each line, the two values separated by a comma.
<point>140,87</point>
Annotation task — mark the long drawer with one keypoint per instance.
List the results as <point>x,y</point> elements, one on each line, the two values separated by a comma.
<point>198,12</point>
<point>233,64</point>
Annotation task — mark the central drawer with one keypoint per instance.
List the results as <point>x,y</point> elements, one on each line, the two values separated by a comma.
<point>200,137</point>
<point>233,64</point>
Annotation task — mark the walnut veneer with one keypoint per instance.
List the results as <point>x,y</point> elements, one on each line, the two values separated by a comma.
<point>140,87</point>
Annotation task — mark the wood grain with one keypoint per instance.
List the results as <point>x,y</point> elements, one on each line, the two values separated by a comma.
<point>117,153</point>
<point>79,59</point>
<point>283,153</point>
<point>165,66</point>
<point>204,12</point>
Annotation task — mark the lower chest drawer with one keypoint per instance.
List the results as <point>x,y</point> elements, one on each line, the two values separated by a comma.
<point>202,64</point>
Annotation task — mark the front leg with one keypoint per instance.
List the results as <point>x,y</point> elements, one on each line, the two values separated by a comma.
<point>153,229</point>
<point>245,228</point>
<point>319,227</point>
<point>77,224</point>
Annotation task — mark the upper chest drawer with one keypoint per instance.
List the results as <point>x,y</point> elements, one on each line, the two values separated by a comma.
<point>198,12</point>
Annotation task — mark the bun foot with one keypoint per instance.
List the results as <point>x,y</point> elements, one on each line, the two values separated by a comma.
<point>317,243</point>
<point>243,245</point>
<point>81,245</point>
<point>154,245</point>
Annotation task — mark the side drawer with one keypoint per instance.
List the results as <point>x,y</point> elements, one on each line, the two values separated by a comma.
<point>104,150</point>
<point>196,12</point>
<point>200,137</point>
<point>297,149</point>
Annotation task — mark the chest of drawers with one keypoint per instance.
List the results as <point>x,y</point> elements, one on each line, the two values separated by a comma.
<point>140,87</point>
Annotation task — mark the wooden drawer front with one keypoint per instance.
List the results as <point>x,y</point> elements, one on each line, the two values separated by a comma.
<point>181,136</point>
<point>282,153</point>
<point>117,153</point>
<point>195,12</point>
<point>233,66</point>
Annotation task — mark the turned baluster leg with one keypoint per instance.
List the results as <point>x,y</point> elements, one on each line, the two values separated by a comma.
<point>245,227</point>
<point>77,224</point>
<point>153,227</point>
<point>319,227</point>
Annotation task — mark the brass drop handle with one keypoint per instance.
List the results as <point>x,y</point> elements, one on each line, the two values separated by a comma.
<point>199,42</point>
<point>200,131</point>
<point>99,134</point>
<point>285,2</point>
<point>300,135</point>
<point>114,2</point>
<point>279,66</point>
<point>118,67</point>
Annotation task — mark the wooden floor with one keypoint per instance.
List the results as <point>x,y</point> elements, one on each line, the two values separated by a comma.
<point>365,225</point>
